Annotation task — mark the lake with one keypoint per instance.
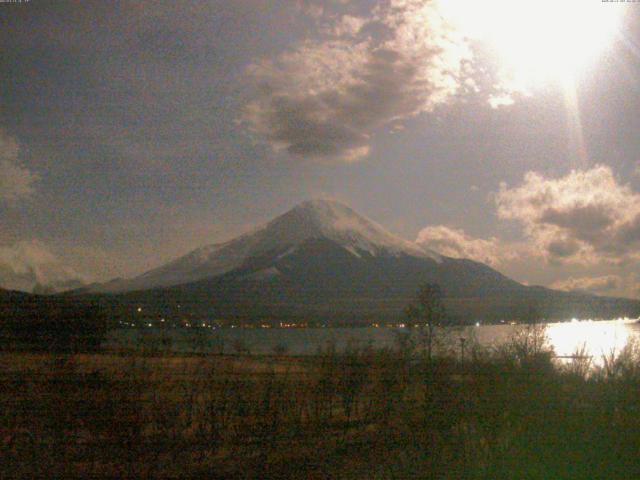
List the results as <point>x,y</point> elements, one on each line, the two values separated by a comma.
<point>596,337</point>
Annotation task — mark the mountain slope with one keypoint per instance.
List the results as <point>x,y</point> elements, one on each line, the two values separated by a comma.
<point>321,282</point>
<point>315,219</point>
<point>324,263</point>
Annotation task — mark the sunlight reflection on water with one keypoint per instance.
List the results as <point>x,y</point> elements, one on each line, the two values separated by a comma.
<point>566,338</point>
<point>596,338</point>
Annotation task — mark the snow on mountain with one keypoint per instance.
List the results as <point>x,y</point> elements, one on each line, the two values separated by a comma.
<point>314,219</point>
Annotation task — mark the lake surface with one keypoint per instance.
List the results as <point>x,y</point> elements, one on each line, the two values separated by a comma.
<point>566,338</point>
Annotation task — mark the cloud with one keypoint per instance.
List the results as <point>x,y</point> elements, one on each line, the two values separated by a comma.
<point>602,284</point>
<point>456,243</point>
<point>29,265</point>
<point>348,26</point>
<point>623,284</point>
<point>584,217</point>
<point>310,9</point>
<point>325,97</point>
<point>16,181</point>
<point>587,221</point>
<point>501,100</point>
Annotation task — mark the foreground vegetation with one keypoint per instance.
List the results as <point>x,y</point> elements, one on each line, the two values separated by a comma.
<point>507,413</point>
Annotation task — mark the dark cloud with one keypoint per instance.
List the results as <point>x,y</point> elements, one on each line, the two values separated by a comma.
<point>563,248</point>
<point>324,98</point>
<point>629,233</point>
<point>585,217</point>
<point>511,257</point>
<point>588,224</point>
<point>602,284</point>
<point>585,222</point>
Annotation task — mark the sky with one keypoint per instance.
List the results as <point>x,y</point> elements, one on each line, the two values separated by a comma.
<point>132,132</point>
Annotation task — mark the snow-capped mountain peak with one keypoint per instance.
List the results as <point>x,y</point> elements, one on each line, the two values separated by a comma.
<point>313,219</point>
<point>337,222</point>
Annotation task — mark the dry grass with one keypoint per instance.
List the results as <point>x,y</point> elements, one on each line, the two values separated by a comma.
<point>361,414</point>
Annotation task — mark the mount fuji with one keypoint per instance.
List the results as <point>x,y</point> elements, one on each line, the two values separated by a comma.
<point>323,261</point>
<point>286,235</point>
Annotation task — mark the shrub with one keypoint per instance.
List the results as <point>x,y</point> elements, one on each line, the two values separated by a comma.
<point>59,325</point>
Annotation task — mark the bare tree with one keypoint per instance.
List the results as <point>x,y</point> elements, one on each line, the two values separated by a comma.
<point>428,312</point>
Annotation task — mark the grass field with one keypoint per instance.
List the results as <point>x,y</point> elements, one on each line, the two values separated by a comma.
<point>362,414</point>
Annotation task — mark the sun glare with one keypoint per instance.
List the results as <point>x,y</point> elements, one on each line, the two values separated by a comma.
<point>598,339</point>
<point>538,40</point>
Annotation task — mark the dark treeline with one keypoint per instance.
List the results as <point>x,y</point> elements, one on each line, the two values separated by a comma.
<point>52,323</point>
<point>178,306</point>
